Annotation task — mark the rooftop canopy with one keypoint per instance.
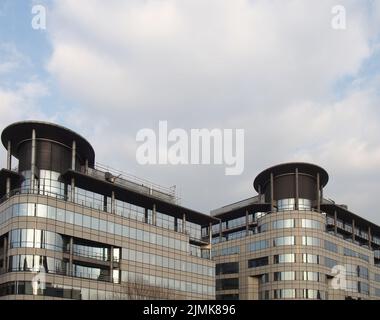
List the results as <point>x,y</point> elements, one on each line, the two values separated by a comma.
<point>21,131</point>
<point>303,167</point>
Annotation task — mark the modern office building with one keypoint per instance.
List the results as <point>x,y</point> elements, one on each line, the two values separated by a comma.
<point>290,242</point>
<point>72,230</point>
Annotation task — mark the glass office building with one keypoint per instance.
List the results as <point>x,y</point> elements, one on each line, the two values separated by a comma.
<point>72,230</point>
<point>290,242</point>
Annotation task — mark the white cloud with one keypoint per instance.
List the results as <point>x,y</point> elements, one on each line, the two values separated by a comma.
<point>270,67</point>
<point>198,54</point>
<point>18,98</point>
<point>11,58</point>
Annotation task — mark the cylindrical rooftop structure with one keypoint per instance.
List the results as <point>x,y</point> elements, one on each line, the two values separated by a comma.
<point>50,146</point>
<point>292,182</point>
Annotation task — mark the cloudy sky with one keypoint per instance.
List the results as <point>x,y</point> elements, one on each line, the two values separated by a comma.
<point>301,90</point>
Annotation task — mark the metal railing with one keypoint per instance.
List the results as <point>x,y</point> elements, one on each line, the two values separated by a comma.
<point>132,182</point>
<point>92,255</point>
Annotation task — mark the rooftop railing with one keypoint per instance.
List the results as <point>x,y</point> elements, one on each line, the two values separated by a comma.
<point>132,182</point>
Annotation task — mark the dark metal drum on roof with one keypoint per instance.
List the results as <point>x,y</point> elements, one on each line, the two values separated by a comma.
<point>21,131</point>
<point>303,167</point>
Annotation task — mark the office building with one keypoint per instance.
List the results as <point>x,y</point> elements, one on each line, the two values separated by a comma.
<point>291,242</point>
<point>70,229</point>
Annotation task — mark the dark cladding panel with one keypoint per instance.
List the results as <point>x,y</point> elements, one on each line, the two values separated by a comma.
<point>25,156</point>
<point>284,187</point>
<point>307,187</point>
<point>49,156</point>
<point>266,190</point>
<point>284,181</point>
<point>58,157</point>
<point>43,155</point>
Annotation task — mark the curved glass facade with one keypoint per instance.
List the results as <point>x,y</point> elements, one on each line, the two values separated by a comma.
<point>285,276</point>
<point>284,258</point>
<point>284,241</point>
<point>34,263</point>
<point>42,239</point>
<point>78,219</point>
<point>312,224</point>
<point>33,238</point>
<point>47,184</point>
<point>290,204</point>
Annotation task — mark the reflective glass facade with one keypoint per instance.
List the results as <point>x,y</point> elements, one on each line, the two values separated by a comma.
<point>92,234</point>
<point>297,242</point>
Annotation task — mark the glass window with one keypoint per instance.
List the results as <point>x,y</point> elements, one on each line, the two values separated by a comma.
<point>22,209</point>
<point>304,204</point>
<point>281,224</point>
<point>69,217</point>
<point>331,263</point>
<point>285,276</point>
<point>146,258</point>
<point>285,294</point>
<point>284,258</point>
<point>52,212</point>
<point>352,286</point>
<point>132,233</point>
<point>331,246</point>
<point>310,258</point>
<point>103,225</point>
<point>258,262</point>
<point>60,215</point>
<point>165,263</point>
<point>311,276</point>
<point>363,288</point>
<point>94,223</point>
<point>118,229</point>
<point>41,210</point>
<point>159,261</point>
<point>352,270</point>
<point>363,257</point>
<point>227,268</point>
<point>363,272</point>
<point>284,241</point>
<point>165,241</point>
<point>263,228</point>
<point>140,256</point>
<point>286,204</point>
<point>311,294</point>
<point>146,237</point>
<point>125,230</point>
<point>153,239</point>
<point>264,278</point>
<point>110,227</point>
<point>78,219</point>
<point>233,250</point>
<point>227,284</point>
<point>310,241</point>
<point>258,245</point>
<point>311,224</point>
<point>171,263</point>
